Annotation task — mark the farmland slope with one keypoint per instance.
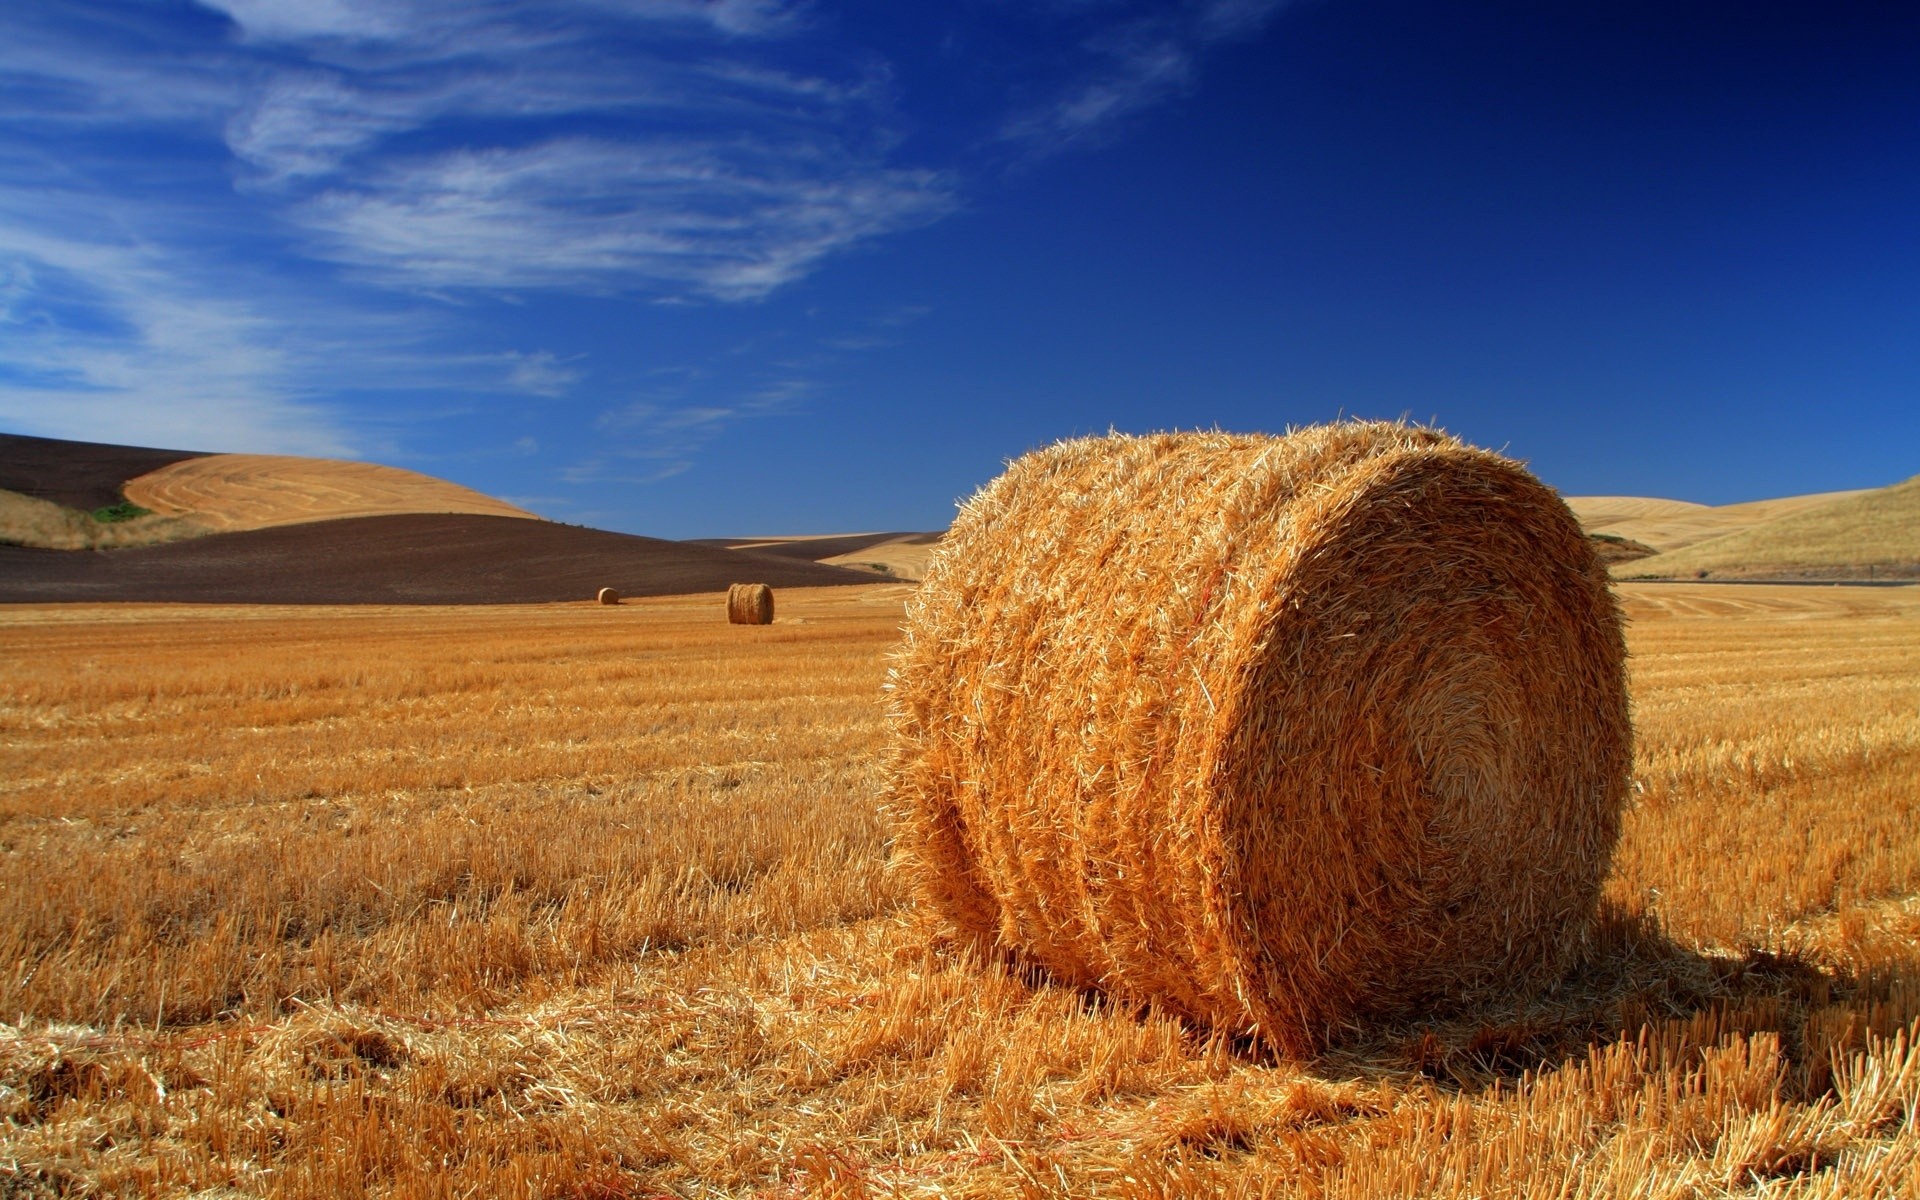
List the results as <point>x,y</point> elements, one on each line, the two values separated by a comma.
<point>82,475</point>
<point>1671,524</point>
<point>1873,533</point>
<point>259,491</point>
<point>894,555</point>
<point>420,558</point>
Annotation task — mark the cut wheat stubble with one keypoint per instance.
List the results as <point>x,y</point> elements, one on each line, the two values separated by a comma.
<point>1286,734</point>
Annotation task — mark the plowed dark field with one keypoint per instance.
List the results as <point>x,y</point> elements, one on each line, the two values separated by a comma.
<point>410,559</point>
<point>83,475</point>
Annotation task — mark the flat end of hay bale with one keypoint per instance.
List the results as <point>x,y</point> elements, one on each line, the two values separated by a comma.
<point>750,604</point>
<point>607,595</point>
<point>1290,734</point>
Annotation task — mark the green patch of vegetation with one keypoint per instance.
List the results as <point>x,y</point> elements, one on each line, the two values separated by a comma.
<point>126,510</point>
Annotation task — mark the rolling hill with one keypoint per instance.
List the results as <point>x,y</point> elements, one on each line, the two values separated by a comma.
<point>1873,534</point>
<point>893,555</point>
<point>1672,524</point>
<point>259,491</point>
<point>229,528</point>
<point>281,529</point>
<point>418,558</point>
<point>82,475</point>
<point>1828,535</point>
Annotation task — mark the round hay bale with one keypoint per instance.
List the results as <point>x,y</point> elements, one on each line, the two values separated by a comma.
<point>1286,734</point>
<point>608,596</point>
<point>750,604</point>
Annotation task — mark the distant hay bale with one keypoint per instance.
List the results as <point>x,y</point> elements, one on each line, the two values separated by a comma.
<point>750,604</point>
<point>1286,734</point>
<point>608,596</point>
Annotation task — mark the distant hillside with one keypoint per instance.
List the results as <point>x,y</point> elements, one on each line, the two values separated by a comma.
<point>1612,549</point>
<point>893,555</point>
<point>1671,524</point>
<point>79,475</point>
<point>402,559</point>
<point>65,495</point>
<point>259,491</point>
<point>80,521</point>
<point>1875,533</point>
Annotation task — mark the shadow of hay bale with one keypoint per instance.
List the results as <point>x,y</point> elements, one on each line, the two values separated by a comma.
<point>1637,985</point>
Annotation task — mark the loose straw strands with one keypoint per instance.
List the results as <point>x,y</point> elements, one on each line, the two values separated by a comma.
<point>1286,734</point>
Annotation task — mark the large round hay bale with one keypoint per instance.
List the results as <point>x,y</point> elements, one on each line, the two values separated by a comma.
<point>608,596</point>
<point>750,604</point>
<point>1287,734</point>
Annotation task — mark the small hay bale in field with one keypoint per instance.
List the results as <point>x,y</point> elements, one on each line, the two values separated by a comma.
<point>750,604</point>
<point>608,596</point>
<point>1287,734</point>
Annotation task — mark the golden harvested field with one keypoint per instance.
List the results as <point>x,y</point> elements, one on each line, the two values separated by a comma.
<point>225,492</point>
<point>1877,531</point>
<point>1670,524</point>
<point>590,901</point>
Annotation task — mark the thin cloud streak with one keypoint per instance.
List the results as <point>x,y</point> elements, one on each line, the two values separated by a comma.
<point>1141,63</point>
<point>153,360</point>
<point>123,337</point>
<point>430,22</point>
<point>720,221</point>
<point>432,146</point>
<point>348,181</point>
<point>742,179</point>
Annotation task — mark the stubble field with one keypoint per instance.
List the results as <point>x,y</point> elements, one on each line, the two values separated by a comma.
<point>578,901</point>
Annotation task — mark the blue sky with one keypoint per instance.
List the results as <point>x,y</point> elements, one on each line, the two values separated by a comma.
<point>691,268</point>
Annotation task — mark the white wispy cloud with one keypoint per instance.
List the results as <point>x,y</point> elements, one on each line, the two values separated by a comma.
<point>654,147</point>
<point>1137,62</point>
<point>428,147</point>
<point>715,175</point>
<point>661,430</point>
<point>539,373</point>
<point>728,221</point>
<point>306,124</point>
<point>434,21</point>
<point>111,333</point>
<point>346,180</point>
<point>109,341</point>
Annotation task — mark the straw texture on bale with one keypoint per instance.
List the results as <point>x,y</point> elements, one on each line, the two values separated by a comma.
<point>1287,734</point>
<point>750,604</point>
<point>608,596</point>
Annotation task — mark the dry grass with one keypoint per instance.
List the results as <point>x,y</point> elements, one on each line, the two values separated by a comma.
<point>257,491</point>
<point>1871,533</point>
<point>1670,524</point>
<point>553,902</point>
<point>1288,734</point>
<point>31,521</point>
<point>904,557</point>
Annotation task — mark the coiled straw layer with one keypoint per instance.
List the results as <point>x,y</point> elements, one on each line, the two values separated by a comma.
<point>1285,734</point>
<point>750,604</point>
